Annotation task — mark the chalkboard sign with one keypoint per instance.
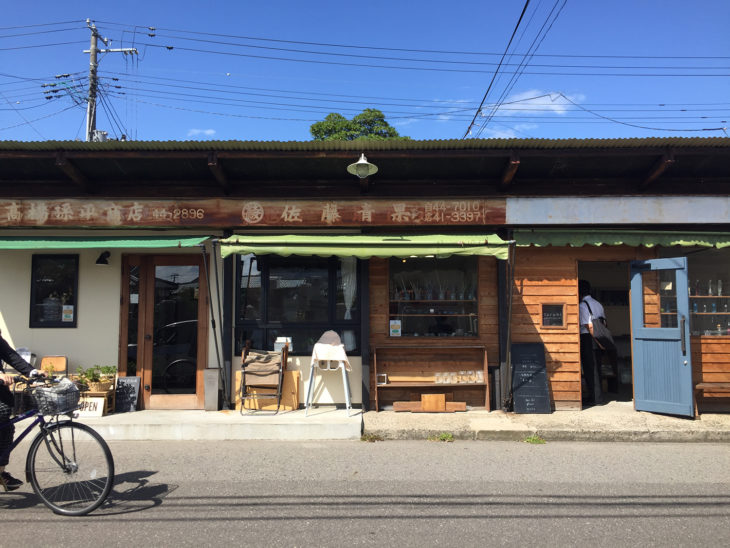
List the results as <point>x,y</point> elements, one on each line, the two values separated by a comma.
<point>529,379</point>
<point>552,315</point>
<point>126,394</point>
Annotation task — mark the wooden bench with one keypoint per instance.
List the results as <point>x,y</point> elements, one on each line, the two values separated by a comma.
<point>709,387</point>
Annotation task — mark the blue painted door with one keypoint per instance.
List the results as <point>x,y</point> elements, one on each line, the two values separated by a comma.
<point>660,331</point>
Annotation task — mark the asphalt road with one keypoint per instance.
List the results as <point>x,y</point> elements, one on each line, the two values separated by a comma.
<point>394,493</point>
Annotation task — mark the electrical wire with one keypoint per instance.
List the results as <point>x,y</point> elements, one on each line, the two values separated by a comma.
<point>534,46</point>
<point>428,69</point>
<point>37,119</point>
<point>35,46</point>
<point>486,93</point>
<point>411,50</point>
<point>445,61</point>
<point>41,25</point>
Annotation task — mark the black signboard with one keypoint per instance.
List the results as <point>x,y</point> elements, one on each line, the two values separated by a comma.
<point>127,394</point>
<point>529,379</point>
<point>552,315</point>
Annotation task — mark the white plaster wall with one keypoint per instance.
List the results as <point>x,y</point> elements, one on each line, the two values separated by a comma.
<point>95,338</point>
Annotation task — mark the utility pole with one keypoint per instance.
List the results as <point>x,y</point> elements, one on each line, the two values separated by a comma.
<point>93,52</point>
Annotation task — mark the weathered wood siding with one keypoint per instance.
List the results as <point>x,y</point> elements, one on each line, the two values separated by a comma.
<point>711,363</point>
<point>550,276</point>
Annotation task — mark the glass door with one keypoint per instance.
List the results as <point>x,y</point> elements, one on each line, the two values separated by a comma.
<point>165,327</point>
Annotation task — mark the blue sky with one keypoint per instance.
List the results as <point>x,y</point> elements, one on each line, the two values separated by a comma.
<point>253,70</point>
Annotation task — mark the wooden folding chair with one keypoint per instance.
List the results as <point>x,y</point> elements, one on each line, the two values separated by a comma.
<point>56,365</point>
<point>262,374</point>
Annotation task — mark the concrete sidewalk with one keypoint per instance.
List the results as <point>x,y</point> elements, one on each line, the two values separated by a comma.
<point>616,421</point>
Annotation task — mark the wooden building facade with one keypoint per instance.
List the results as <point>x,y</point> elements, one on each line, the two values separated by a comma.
<point>506,228</point>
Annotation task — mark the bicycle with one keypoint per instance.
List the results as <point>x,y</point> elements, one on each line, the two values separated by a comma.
<point>69,465</point>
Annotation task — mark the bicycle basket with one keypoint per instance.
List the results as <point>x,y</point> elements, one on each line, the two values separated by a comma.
<point>58,399</point>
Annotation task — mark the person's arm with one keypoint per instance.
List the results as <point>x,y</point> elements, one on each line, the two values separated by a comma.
<point>584,316</point>
<point>10,356</point>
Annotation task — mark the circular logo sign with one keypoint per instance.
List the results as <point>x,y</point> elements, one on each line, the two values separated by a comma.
<point>252,213</point>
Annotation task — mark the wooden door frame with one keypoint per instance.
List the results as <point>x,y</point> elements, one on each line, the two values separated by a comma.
<point>145,341</point>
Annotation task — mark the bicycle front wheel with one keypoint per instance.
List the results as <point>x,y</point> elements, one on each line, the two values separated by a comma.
<point>70,468</point>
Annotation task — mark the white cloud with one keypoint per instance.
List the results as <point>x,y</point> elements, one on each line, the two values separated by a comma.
<point>201,132</point>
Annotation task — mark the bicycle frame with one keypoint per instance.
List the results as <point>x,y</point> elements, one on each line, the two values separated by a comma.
<point>39,420</point>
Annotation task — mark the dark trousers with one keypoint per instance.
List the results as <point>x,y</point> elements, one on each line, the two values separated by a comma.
<point>6,433</point>
<point>590,363</point>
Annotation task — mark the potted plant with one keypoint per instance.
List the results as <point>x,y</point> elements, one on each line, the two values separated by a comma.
<point>92,377</point>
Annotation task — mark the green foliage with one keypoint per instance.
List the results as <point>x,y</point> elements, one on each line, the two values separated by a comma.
<point>95,373</point>
<point>443,436</point>
<point>534,439</point>
<point>107,370</point>
<point>369,124</point>
<point>90,374</point>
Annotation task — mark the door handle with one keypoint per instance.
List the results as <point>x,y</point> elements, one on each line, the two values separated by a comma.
<point>148,337</point>
<point>682,327</point>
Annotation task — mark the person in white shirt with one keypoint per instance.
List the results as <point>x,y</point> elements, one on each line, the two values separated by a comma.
<point>590,311</point>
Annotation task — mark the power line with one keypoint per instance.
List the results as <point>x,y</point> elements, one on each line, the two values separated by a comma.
<point>37,32</point>
<point>530,107</point>
<point>41,25</point>
<point>44,45</point>
<point>375,97</point>
<point>410,50</point>
<point>428,69</point>
<point>524,9</point>
<point>37,119</point>
<point>534,46</point>
<point>445,61</point>
<point>637,126</point>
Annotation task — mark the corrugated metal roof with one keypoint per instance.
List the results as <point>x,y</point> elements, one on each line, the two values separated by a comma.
<point>368,145</point>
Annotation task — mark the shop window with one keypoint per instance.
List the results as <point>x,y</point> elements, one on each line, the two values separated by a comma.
<point>709,286</point>
<point>54,290</point>
<point>432,297</point>
<point>299,298</point>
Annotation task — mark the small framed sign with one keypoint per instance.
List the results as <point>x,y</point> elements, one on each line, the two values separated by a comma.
<point>395,328</point>
<point>553,315</point>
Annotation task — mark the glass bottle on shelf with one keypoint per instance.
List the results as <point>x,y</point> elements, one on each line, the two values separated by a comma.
<point>709,287</point>
<point>719,287</point>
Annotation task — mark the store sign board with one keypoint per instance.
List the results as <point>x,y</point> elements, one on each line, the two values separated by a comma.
<point>529,378</point>
<point>253,213</point>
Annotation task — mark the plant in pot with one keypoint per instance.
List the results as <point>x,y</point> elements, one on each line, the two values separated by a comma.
<point>108,373</point>
<point>92,377</point>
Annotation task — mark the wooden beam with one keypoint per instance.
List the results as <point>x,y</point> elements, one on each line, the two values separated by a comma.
<point>660,166</point>
<point>509,171</point>
<point>72,172</point>
<point>218,172</point>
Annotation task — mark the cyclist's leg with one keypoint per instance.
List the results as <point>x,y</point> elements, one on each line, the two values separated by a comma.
<point>70,468</point>
<point>7,482</point>
<point>7,432</point>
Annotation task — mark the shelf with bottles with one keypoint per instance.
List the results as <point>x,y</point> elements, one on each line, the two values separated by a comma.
<point>432,325</point>
<point>706,304</point>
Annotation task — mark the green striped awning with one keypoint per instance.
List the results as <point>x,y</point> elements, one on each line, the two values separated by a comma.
<point>363,247</point>
<point>98,242</point>
<point>578,237</point>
